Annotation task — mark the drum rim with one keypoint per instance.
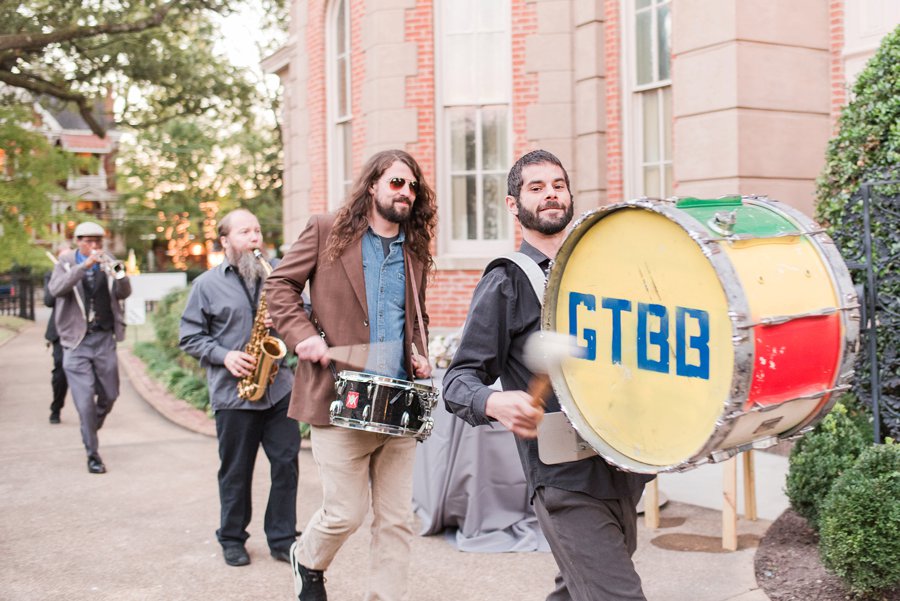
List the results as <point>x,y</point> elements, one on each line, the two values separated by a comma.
<point>738,312</point>
<point>394,382</point>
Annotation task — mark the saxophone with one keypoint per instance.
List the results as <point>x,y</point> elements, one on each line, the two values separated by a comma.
<point>267,350</point>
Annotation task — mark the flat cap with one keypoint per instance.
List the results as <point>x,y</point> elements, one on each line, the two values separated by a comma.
<point>89,228</point>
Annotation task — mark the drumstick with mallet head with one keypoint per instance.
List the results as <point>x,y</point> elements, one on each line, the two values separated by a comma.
<point>544,351</point>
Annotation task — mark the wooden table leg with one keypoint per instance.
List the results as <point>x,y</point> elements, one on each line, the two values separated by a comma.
<point>749,487</point>
<point>651,504</point>
<point>729,504</point>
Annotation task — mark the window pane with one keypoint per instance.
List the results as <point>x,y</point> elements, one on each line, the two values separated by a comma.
<point>651,181</point>
<point>644,48</point>
<point>667,122</point>
<point>664,39</point>
<point>341,82</point>
<point>650,120</point>
<point>493,138</point>
<point>493,15</point>
<point>458,15</point>
<point>492,72</point>
<point>462,140</point>
<point>670,186</point>
<point>459,56</point>
<point>347,135</point>
<point>464,207</point>
<point>495,215</point>
<point>639,4</point>
<point>340,24</point>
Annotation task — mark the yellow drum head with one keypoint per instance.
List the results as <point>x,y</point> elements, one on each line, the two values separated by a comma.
<point>649,312</point>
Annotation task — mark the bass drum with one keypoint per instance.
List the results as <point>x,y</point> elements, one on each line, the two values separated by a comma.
<point>705,327</point>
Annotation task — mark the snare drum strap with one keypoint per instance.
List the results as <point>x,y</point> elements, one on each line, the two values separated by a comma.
<point>529,266</point>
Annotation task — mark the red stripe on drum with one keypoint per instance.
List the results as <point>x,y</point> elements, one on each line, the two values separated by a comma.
<point>794,359</point>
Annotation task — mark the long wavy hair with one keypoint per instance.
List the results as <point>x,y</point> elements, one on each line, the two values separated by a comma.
<point>352,218</point>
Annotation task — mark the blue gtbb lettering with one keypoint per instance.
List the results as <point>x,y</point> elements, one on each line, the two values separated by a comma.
<point>699,343</point>
<point>590,336</point>
<point>616,306</point>
<point>658,338</point>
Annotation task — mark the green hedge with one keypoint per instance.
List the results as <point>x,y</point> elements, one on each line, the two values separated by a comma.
<point>820,457</point>
<point>860,522</point>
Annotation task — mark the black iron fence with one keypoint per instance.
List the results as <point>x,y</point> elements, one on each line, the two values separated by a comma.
<point>17,291</point>
<point>869,240</point>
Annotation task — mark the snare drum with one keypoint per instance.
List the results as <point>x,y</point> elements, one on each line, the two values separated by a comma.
<point>385,405</point>
<point>706,327</point>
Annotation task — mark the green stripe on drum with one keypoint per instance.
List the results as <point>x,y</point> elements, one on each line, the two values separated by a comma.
<point>750,219</point>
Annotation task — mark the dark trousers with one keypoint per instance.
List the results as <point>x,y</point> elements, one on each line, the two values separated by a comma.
<point>592,541</point>
<point>240,433</point>
<point>58,379</point>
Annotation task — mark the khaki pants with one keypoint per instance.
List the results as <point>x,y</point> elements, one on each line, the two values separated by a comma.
<point>351,462</point>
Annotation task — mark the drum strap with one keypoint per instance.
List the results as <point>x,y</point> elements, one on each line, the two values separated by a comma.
<point>529,266</point>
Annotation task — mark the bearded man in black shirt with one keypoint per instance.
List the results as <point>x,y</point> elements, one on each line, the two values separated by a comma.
<point>586,508</point>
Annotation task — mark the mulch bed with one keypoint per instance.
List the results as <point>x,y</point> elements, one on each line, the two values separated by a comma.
<point>788,567</point>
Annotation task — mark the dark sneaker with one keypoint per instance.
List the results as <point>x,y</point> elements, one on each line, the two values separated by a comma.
<point>54,417</point>
<point>236,556</point>
<point>309,585</point>
<point>95,465</point>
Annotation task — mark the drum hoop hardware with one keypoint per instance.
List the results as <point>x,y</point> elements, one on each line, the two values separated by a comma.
<point>781,319</point>
<point>743,237</point>
<point>766,408</point>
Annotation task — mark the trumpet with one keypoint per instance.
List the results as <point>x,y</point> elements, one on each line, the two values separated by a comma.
<point>112,266</point>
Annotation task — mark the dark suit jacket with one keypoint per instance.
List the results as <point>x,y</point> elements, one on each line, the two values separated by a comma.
<point>338,297</point>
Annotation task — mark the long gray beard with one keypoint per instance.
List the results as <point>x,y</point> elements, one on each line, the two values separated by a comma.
<point>250,268</point>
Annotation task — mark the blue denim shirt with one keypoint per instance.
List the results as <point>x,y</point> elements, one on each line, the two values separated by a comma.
<point>386,296</point>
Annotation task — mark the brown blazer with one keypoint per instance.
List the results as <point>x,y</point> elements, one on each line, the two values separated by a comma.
<point>338,298</point>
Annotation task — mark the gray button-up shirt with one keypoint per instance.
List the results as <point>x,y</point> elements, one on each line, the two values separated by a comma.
<point>218,318</point>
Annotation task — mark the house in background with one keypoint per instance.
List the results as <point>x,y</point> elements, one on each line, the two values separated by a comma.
<point>637,97</point>
<point>92,187</point>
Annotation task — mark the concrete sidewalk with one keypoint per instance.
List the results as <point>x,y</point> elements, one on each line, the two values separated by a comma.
<point>146,529</point>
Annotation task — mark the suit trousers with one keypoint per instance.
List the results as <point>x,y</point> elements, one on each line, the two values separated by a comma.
<point>58,379</point>
<point>240,433</point>
<point>92,371</point>
<point>592,541</point>
<point>351,463</point>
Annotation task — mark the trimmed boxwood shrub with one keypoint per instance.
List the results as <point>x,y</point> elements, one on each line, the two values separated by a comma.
<point>860,522</point>
<point>820,457</point>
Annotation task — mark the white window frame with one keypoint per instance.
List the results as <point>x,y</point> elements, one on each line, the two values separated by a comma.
<point>466,253</point>
<point>632,98</point>
<point>337,150</point>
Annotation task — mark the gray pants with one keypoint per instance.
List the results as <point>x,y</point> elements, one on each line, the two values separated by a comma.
<point>92,369</point>
<point>592,541</point>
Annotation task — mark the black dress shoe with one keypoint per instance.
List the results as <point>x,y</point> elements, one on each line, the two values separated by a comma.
<point>54,418</point>
<point>236,556</point>
<point>95,465</point>
<point>282,555</point>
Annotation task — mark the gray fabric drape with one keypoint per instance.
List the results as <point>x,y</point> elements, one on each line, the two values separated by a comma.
<point>469,483</point>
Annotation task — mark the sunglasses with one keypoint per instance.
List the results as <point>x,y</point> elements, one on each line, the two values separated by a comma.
<point>397,183</point>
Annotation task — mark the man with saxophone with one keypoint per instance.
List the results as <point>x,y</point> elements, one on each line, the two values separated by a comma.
<point>223,323</point>
<point>89,320</point>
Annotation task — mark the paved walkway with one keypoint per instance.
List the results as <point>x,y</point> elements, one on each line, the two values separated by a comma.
<point>145,530</point>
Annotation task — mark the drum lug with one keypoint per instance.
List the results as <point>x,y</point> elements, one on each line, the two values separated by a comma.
<point>366,410</point>
<point>404,420</point>
<point>340,386</point>
<point>369,389</point>
<point>410,395</point>
<point>336,407</point>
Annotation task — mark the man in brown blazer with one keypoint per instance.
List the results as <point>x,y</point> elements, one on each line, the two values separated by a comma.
<point>366,267</point>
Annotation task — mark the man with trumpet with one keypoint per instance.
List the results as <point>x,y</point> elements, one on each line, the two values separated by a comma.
<point>90,291</point>
<point>225,310</point>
